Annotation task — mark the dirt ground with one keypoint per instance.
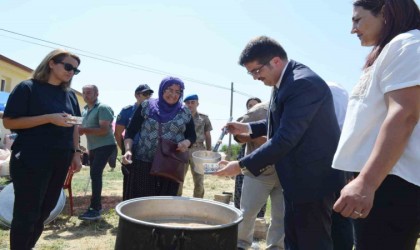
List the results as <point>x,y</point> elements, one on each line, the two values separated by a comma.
<point>68,232</point>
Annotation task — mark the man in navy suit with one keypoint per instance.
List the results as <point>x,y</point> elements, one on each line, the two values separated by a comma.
<point>303,135</point>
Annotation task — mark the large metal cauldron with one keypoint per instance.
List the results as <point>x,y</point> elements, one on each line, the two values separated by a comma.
<point>166,222</point>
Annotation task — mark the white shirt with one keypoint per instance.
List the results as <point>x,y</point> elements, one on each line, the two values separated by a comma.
<point>397,67</point>
<point>340,98</point>
<point>272,94</point>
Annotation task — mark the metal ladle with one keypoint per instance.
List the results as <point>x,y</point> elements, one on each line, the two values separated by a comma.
<point>224,132</point>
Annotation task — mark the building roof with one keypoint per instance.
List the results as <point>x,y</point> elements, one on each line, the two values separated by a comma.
<point>10,61</point>
<point>27,69</point>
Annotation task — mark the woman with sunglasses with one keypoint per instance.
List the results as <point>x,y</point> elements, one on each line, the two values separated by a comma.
<point>39,110</point>
<point>380,140</point>
<point>177,125</point>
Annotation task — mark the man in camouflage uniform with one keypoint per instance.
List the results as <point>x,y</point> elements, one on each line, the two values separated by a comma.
<point>202,129</point>
<point>142,92</point>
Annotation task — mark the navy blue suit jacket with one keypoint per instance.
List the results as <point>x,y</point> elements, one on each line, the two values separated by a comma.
<point>304,137</point>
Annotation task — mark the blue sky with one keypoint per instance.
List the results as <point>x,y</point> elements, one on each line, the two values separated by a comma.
<point>198,41</point>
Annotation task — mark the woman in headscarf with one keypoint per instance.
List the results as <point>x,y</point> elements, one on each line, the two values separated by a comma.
<point>177,126</point>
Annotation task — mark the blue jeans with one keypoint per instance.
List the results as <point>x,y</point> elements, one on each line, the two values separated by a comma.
<point>98,158</point>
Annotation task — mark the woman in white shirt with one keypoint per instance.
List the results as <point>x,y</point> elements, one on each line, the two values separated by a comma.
<point>380,141</point>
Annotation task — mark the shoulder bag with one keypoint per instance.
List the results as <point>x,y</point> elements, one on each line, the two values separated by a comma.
<point>169,162</point>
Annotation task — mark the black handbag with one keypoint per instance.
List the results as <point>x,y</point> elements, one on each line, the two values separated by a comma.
<point>169,162</point>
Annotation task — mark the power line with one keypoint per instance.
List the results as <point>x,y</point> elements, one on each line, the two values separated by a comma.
<point>14,38</point>
<point>116,61</point>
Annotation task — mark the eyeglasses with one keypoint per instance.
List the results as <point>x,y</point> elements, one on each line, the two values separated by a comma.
<point>173,92</point>
<point>69,67</point>
<point>146,94</point>
<point>256,72</point>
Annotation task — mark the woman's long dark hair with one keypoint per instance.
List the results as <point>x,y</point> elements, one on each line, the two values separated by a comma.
<point>400,16</point>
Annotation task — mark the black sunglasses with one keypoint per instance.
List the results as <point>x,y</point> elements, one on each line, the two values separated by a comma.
<point>69,67</point>
<point>146,94</point>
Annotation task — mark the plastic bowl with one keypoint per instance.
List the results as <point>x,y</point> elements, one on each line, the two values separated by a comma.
<point>206,161</point>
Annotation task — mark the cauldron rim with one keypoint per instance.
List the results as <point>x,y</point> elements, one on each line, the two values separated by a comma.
<point>151,224</point>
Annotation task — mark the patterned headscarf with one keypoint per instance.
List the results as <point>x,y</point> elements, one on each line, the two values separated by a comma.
<point>160,110</point>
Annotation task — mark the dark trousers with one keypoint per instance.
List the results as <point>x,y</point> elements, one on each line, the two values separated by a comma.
<point>112,160</point>
<point>239,179</point>
<point>142,184</point>
<point>38,176</point>
<point>98,158</point>
<point>394,221</point>
<point>125,169</point>
<point>308,225</point>
<point>342,232</point>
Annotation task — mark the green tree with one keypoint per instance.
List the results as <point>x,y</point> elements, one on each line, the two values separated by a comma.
<point>232,152</point>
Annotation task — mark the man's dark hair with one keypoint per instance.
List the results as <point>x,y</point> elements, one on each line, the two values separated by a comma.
<point>261,49</point>
<point>252,99</point>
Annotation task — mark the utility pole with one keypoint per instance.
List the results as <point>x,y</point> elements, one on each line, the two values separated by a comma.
<point>229,153</point>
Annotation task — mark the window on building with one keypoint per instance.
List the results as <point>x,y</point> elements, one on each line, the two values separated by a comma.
<point>3,85</point>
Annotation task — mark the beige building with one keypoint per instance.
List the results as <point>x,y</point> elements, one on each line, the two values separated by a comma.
<point>11,74</point>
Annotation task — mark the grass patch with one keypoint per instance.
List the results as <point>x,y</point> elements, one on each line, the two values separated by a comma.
<point>68,232</point>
